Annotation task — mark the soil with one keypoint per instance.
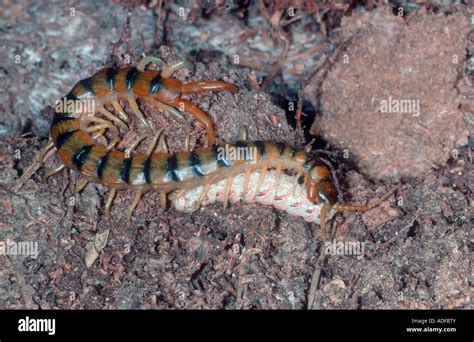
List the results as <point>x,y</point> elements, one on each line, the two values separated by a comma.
<point>290,71</point>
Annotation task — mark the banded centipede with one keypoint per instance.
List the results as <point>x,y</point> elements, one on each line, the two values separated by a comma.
<point>178,176</point>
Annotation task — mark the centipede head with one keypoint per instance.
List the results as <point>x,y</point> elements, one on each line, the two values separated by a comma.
<point>319,187</point>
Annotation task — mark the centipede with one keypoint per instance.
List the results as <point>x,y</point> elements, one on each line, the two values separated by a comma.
<point>293,180</point>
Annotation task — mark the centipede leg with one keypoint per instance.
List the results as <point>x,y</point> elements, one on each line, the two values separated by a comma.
<point>112,144</point>
<point>261,178</point>
<point>295,183</point>
<point>162,144</point>
<point>177,194</point>
<point>246,184</point>
<point>132,207</point>
<point>187,143</point>
<point>136,110</point>
<point>206,189</point>
<point>149,59</point>
<point>163,200</point>
<point>110,199</point>
<point>95,128</point>
<point>120,111</point>
<point>82,184</point>
<point>43,152</point>
<point>106,123</point>
<point>279,170</point>
<point>244,133</point>
<point>227,188</point>
<point>112,117</point>
<point>323,214</point>
<point>172,68</point>
<point>165,108</point>
<point>98,134</point>
<point>134,144</point>
<point>53,172</point>
<point>202,117</point>
<point>152,145</point>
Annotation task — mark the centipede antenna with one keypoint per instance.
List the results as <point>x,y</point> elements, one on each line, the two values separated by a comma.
<point>364,207</point>
<point>309,146</point>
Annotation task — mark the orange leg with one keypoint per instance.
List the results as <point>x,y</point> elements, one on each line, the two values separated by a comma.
<point>191,108</point>
<point>199,87</point>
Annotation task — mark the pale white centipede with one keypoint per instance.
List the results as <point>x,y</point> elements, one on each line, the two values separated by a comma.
<point>290,198</point>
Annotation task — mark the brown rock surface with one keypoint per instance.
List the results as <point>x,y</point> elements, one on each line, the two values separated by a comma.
<point>390,58</point>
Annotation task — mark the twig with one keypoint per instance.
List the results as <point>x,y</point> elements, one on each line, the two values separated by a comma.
<point>160,29</point>
<point>299,111</point>
<point>274,21</point>
<point>125,36</point>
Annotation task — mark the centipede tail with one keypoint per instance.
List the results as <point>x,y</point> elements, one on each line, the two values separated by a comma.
<point>202,117</point>
<point>203,87</point>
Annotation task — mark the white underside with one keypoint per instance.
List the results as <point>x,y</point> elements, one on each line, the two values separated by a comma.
<point>293,202</point>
